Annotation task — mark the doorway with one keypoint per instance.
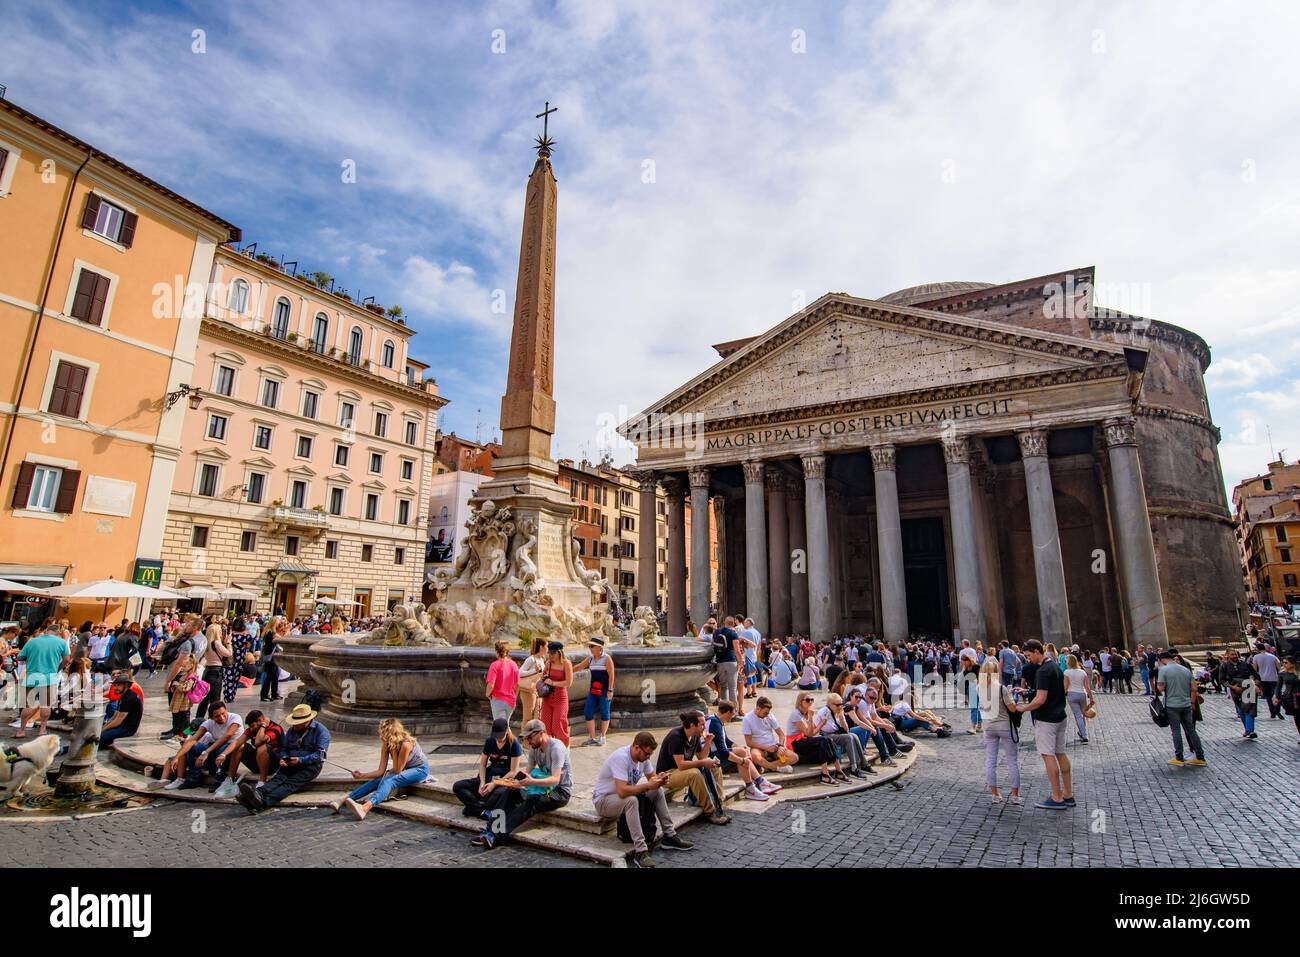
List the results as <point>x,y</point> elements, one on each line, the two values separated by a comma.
<point>286,598</point>
<point>925,575</point>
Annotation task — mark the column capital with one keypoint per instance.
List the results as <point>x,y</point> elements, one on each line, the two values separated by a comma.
<point>753,472</point>
<point>814,465</point>
<point>648,479</point>
<point>699,476</point>
<point>674,487</point>
<point>956,451</point>
<point>1033,443</point>
<point>1121,430</point>
<point>884,458</point>
<point>794,487</point>
<point>775,481</point>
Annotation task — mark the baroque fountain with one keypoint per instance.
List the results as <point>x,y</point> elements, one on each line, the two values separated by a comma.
<point>517,575</point>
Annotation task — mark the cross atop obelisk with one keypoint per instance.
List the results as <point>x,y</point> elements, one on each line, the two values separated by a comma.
<point>527,408</point>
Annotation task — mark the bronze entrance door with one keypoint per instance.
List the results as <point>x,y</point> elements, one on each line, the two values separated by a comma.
<point>925,574</point>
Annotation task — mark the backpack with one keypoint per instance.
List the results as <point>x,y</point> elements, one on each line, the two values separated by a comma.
<point>645,809</point>
<point>172,648</point>
<point>312,699</point>
<point>1159,714</point>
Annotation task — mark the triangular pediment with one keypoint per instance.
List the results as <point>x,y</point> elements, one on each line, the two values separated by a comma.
<point>842,349</point>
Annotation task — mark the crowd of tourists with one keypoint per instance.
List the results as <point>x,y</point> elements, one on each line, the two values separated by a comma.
<point>856,698</point>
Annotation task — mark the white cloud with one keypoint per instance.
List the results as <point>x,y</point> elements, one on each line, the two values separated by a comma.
<point>450,293</point>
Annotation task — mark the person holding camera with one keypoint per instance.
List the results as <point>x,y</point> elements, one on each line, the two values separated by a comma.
<point>1048,709</point>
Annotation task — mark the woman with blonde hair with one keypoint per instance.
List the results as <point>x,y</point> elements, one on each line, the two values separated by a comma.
<point>399,749</point>
<point>530,673</point>
<point>999,731</point>
<point>1078,692</point>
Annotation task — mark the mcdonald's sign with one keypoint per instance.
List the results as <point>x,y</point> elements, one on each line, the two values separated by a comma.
<point>148,572</point>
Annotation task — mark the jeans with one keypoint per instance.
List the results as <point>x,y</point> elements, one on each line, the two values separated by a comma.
<point>1078,701</point>
<point>517,807</point>
<point>1246,714</point>
<point>1146,680</point>
<point>883,746</point>
<point>106,738</point>
<point>628,808</point>
<point>995,738</point>
<point>290,779</point>
<point>1180,723</point>
<point>1268,689</point>
<point>907,724</point>
<point>383,787</point>
<point>270,681</point>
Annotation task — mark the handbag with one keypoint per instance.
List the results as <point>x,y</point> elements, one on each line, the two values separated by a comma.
<point>135,660</point>
<point>1159,714</point>
<point>544,688</point>
<point>198,691</point>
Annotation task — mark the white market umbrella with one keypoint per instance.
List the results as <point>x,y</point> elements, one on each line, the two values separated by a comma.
<point>331,601</point>
<point>19,588</point>
<point>106,589</point>
<point>201,591</point>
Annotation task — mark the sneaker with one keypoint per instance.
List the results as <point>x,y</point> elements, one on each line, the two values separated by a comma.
<point>995,799</point>
<point>486,840</point>
<point>717,817</point>
<point>1197,762</point>
<point>1083,741</point>
<point>907,746</point>
<point>590,743</point>
<point>1016,799</point>
<point>767,787</point>
<point>1252,735</point>
<point>642,859</point>
<point>677,843</point>
<point>174,784</point>
<point>216,783</point>
<point>601,741</point>
<point>355,809</point>
<point>1069,802</point>
<point>786,769</point>
<point>972,731</point>
<point>889,763</point>
<point>752,793</point>
<point>227,790</point>
<point>1176,762</point>
<point>1050,805</point>
<point>158,785</point>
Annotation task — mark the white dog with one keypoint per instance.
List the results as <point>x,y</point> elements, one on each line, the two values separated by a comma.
<point>32,760</point>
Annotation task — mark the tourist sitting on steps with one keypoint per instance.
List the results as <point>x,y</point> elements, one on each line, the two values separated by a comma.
<point>812,746</point>
<point>398,749</point>
<point>625,783</point>
<point>766,740</point>
<point>204,751</point>
<point>736,760</point>
<point>500,758</point>
<point>306,745</point>
<point>684,757</point>
<point>257,748</point>
<point>546,786</point>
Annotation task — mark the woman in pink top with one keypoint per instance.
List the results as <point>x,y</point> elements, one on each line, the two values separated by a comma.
<point>502,683</point>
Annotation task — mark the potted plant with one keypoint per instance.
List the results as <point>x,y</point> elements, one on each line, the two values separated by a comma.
<point>321,279</point>
<point>396,314</point>
<point>293,337</point>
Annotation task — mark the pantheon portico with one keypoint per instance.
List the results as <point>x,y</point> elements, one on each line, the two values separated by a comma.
<point>957,459</point>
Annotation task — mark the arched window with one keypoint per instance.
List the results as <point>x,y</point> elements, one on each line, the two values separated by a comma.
<point>320,333</point>
<point>354,347</point>
<point>238,297</point>
<point>280,325</point>
<point>445,513</point>
<point>388,354</point>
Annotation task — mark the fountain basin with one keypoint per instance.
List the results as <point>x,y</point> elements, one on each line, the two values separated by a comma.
<point>442,690</point>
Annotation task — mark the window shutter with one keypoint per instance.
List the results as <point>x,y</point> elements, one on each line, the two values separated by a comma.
<point>69,389</point>
<point>23,488</point>
<point>84,295</point>
<point>67,498</point>
<point>91,212</point>
<point>127,234</point>
<point>98,299</point>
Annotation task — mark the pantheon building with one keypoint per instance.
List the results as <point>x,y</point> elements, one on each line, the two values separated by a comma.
<point>957,459</point>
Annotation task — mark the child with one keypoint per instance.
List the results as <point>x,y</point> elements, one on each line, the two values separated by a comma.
<point>179,689</point>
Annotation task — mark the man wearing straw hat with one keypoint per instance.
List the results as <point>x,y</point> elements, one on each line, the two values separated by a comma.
<point>303,751</point>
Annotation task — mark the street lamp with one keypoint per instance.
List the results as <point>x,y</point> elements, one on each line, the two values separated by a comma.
<point>194,394</point>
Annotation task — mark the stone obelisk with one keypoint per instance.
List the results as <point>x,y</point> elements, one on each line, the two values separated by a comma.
<point>524,486</point>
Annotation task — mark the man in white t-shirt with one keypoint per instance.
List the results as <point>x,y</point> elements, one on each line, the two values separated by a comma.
<point>207,748</point>
<point>625,776</point>
<point>766,740</point>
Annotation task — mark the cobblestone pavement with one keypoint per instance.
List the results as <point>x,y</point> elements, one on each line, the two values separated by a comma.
<point>1134,810</point>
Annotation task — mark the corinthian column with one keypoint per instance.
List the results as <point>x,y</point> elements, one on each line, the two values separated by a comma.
<point>965,549</point>
<point>675,491</point>
<point>821,621</point>
<point>1049,570</point>
<point>1133,541</point>
<point>755,546</point>
<point>647,565</point>
<point>778,555</point>
<point>699,478</point>
<point>889,539</point>
<point>796,518</point>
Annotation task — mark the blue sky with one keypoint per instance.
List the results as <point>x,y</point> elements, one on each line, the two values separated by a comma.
<point>718,162</point>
